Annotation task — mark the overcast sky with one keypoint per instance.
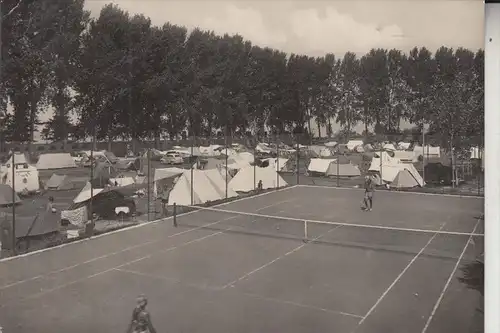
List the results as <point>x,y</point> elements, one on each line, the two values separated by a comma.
<point>320,27</point>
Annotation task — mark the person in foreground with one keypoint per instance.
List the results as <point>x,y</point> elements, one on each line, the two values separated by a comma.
<point>141,320</point>
<point>369,189</point>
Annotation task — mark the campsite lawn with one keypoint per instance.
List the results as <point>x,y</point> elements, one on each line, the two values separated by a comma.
<point>208,280</point>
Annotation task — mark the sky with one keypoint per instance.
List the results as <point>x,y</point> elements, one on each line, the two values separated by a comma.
<point>318,27</point>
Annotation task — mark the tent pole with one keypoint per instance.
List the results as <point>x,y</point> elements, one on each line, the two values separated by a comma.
<point>14,238</point>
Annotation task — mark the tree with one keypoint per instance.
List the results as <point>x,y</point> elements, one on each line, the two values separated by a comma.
<point>349,104</point>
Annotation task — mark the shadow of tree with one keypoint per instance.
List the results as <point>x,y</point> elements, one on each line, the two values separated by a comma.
<point>473,278</point>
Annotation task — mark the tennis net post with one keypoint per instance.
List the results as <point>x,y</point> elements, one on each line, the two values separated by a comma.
<point>174,212</point>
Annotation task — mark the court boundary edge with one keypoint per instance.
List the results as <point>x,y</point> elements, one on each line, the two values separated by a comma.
<point>402,192</point>
<point>47,249</point>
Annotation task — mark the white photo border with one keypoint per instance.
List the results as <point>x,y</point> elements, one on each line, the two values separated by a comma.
<point>492,174</point>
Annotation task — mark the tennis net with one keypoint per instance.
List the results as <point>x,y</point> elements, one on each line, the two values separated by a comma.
<point>442,243</point>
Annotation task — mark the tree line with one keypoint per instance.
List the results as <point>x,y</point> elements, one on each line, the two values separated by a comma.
<point>125,78</point>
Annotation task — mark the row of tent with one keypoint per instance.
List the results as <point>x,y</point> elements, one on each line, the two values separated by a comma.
<point>207,185</point>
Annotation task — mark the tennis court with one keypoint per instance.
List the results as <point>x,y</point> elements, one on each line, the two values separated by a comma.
<point>302,259</point>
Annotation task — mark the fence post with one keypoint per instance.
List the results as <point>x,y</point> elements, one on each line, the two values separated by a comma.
<point>277,162</point>
<point>254,167</point>
<point>174,212</point>
<point>338,170</point>
<point>297,163</point>
<point>192,168</point>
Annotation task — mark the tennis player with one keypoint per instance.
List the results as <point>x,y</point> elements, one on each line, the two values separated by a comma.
<point>141,320</point>
<point>369,190</point>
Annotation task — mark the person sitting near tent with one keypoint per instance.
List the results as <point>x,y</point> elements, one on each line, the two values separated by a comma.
<point>164,199</point>
<point>259,185</point>
<point>141,320</point>
<point>369,190</point>
<point>50,205</point>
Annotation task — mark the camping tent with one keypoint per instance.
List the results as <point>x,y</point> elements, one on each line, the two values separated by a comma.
<point>391,167</point>
<point>85,193</point>
<point>325,152</point>
<point>204,189</point>
<point>219,182</point>
<point>26,177</point>
<point>6,196</point>
<point>59,182</point>
<point>429,151</point>
<point>319,165</point>
<point>389,146</point>
<point>404,179</point>
<point>342,170</point>
<point>282,164</point>
<point>55,161</point>
<point>244,179</point>
<point>353,144</point>
<point>121,181</point>
<point>19,158</point>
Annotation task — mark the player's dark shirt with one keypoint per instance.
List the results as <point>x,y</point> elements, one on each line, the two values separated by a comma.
<point>141,322</point>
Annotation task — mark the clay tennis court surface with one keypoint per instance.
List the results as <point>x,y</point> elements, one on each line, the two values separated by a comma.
<point>221,279</point>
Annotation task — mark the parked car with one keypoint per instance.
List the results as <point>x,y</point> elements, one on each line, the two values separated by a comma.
<point>172,158</point>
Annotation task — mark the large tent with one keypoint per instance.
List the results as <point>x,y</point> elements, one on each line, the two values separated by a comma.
<point>343,170</point>
<point>319,165</point>
<point>247,179</point>
<point>26,177</point>
<point>204,189</point>
<point>55,161</point>
<point>59,183</point>
<point>390,167</point>
<point>6,196</point>
<point>404,179</point>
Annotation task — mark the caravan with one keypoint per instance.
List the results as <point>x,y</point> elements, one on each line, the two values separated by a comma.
<point>26,178</point>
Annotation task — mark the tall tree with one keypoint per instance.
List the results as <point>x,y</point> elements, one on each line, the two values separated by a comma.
<point>349,103</point>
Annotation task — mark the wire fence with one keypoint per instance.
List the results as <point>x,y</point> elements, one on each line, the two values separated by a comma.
<point>145,184</point>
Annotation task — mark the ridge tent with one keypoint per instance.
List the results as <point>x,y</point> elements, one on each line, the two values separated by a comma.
<point>84,194</point>
<point>163,178</point>
<point>219,182</point>
<point>19,158</point>
<point>244,179</point>
<point>319,165</point>
<point>344,170</point>
<point>429,151</point>
<point>6,196</point>
<point>283,164</point>
<point>389,146</point>
<point>203,189</point>
<point>59,182</point>
<point>331,144</point>
<point>404,179</point>
<point>103,172</point>
<point>55,161</point>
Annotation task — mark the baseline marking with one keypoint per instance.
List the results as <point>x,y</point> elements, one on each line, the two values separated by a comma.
<point>398,278</point>
<point>401,192</point>
<point>441,296</point>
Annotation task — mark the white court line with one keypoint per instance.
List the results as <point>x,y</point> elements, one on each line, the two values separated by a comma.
<point>441,296</point>
<point>397,279</point>
<point>167,279</point>
<point>231,284</point>
<point>129,248</point>
<point>64,285</point>
<point>134,227</point>
<point>300,305</point>
<point>398,192</point>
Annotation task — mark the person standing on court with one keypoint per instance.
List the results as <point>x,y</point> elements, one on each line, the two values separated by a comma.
<point>369,190</point>
<point>141,320</point>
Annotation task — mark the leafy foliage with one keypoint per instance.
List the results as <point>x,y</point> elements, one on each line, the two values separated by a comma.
<point>125,78</point>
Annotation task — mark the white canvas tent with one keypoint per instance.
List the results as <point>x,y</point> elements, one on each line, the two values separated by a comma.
<point>6,196</point>
<point>59,182</point>
<point>389,146</point>
<point>325,152</point>
<point>121,181</point>
<point>84,194</point>
<point>55,161</point>
<point>428,151</point>
<point>319,165</point>
<point>278,163</point>
<point>219,182</point>
<point>404,179</point>
<point>203,189</point>
<point>391,167</point>
<point>244,179</point>
<point>343,170</point>
<point>353,144</point>
<point>26,177</point>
